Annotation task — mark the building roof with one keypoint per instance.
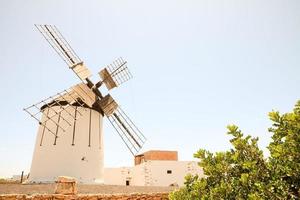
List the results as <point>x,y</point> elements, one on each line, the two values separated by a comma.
<point>155,155</point>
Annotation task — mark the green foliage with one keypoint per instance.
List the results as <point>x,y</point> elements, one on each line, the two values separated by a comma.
<point>243,172</point>
<point>285,152</point>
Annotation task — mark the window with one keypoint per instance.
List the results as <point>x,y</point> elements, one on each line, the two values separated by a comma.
<point>127,182</point>
<point>169,171</point>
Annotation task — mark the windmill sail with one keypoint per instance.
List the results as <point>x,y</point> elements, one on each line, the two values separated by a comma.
<point>62,104</point>
<point>115,74</point>
<point>129,133</point>
<point>108,105</point>
<point>64,50</point>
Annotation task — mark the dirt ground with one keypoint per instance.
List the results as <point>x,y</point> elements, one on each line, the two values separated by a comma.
<point>82,189</point>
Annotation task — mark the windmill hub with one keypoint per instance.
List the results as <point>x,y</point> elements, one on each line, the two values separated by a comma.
<point>70,137</point>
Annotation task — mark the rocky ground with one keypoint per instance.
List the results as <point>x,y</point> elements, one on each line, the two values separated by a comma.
<point>82,189</point>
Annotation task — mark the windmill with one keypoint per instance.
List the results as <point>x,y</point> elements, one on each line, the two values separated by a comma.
<point>70,137</point>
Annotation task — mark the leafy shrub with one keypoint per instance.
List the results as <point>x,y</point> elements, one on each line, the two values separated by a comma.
<point>243,173</point>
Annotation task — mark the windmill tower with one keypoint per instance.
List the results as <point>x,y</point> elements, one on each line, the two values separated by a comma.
<point>69,141</point>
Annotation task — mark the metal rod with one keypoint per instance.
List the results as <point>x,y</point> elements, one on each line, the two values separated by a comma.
<point>41,142</point>
<point>21,181</point>
<point>54,45</point>
<point>39,121</point>
<point>49,106</point>
<point>66,53</point>
<point>66,106</point>
<point>54,121</point>
<point>133,124</point>
<point>118,128</point>
<point>73,52</point>
<point>74,129</point>
<point>125,128</point>
<point>57,129</point>
<point>62,107</point>
<point>130,149</point>
<point>126,120</point>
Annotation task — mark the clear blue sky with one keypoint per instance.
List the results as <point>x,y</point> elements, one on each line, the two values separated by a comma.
<point>197,65</point>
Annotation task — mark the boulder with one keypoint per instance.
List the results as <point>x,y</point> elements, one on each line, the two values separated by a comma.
<point>66,185</point>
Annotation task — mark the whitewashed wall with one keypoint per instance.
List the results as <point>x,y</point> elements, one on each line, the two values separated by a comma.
<point>152,173</point>
<point>117,176</point>
<point>79,160</point>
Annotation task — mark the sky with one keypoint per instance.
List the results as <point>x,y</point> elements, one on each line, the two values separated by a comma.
<point>197,66</point>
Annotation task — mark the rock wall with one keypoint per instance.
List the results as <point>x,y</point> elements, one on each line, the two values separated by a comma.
<point>154,196</point>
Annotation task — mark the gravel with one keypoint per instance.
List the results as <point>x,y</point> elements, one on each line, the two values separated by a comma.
<point>82,189</point>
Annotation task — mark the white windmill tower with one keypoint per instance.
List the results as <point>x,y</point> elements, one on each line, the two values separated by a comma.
<point>69,139</point>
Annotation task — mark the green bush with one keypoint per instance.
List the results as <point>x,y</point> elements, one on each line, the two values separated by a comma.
<point>243,173</point>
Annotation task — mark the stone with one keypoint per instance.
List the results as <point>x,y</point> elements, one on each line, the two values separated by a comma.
<point>66,185</point>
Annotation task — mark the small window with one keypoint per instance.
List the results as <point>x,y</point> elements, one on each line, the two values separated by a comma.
<point>169,171</point>
<point>127,182</point>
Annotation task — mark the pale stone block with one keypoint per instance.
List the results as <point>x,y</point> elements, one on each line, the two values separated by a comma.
<point>66,185</point>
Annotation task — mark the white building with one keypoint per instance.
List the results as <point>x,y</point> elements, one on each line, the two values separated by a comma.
<point>153,168</point>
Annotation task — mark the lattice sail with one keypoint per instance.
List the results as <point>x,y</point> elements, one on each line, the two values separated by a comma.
<point>115,74</point>
<point>59,111</point>
<point>129,133</point>
<point>64,50</point>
